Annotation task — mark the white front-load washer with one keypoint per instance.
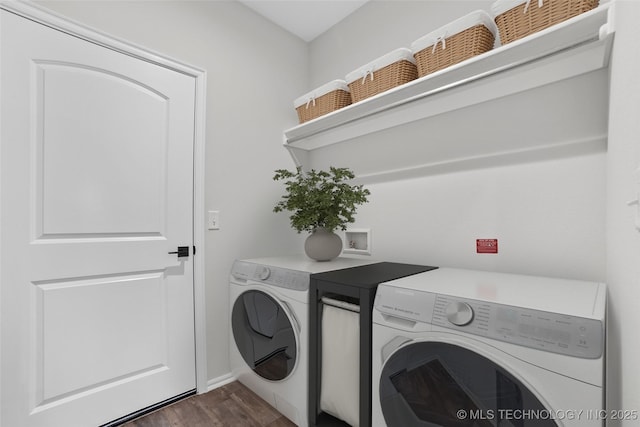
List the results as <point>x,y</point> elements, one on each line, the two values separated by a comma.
<point>455,347</point>
<point>269,339</point>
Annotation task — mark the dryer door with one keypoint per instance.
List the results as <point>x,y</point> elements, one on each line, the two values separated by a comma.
<point>264,334</point>
<point>432,383</point>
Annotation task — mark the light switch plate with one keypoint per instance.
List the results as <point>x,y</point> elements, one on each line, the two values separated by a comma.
<point>213,220</point>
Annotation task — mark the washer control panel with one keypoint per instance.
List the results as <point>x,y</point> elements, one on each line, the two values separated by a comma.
<point>558,333</point>
<point>553,332</point>
<point>275,276</point>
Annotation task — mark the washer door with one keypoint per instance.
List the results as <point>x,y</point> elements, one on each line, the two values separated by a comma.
<point>264,335</point>
<point>432,383</point>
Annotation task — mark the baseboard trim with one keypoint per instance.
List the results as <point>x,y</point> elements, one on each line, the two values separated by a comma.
<point>215,383</point>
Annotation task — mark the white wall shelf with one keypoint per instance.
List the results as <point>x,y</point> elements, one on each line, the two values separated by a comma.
<point>495,108</point>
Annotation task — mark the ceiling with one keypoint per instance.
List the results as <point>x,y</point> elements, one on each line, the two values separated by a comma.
<point>306,19</point>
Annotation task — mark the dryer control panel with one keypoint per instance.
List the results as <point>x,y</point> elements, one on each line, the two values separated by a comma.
<point>275,276</point>
<point>558,333</point>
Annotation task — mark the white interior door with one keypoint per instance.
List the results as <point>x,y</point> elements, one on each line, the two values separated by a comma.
<point>96,179</point>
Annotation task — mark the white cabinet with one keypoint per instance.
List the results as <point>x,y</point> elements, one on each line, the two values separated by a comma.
<point>543,96</point>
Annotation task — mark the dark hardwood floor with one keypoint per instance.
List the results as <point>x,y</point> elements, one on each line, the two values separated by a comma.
<point>230,405</point>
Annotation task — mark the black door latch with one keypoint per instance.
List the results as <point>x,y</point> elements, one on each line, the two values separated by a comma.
<point>182,251</point>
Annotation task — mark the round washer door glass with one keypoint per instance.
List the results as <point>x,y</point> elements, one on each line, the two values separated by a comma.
<point>441,384</point>
<point>264,335</point>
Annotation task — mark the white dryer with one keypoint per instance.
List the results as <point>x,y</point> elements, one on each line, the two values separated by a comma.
<point>456,347</point>
<point>268,345</point>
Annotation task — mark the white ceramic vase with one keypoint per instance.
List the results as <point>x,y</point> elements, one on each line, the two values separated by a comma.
<point>323,245</point>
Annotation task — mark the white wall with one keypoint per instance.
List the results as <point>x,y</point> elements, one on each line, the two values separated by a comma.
<point>254,71</point>
<point>548,217</point>
<point>623,242</point>
<point>566,217</point>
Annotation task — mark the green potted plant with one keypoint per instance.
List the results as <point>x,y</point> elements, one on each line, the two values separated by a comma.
<point>320,202</point>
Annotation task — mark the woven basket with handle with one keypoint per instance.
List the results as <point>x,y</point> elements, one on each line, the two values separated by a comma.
<point>388,77</point>
<point>325,99</point>
<point>451,50</point>
<point>322,105</point>
<point>535,15</point>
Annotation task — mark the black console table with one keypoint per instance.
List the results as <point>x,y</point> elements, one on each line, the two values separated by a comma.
<point>356,285</point>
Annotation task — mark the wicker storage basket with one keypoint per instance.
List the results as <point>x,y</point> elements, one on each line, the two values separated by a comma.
<point>519,18</point>
<point>323,100</point>
<point>393,69</point>
<point>462,39</point>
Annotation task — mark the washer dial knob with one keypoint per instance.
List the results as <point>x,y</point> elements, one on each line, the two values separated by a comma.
<point>264,273</point>
<point>459,313</point>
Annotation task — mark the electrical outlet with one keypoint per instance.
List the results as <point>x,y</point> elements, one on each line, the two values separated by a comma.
<point>213,220</point>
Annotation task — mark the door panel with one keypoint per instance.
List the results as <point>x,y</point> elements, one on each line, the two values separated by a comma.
<point>87,324</point>
<point>96,187</point>
<point>100,192</point>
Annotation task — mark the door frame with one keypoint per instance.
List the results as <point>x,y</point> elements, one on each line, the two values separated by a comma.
<point>58,22</point>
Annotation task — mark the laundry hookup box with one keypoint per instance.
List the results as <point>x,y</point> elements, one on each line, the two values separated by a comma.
<point>391,70</point>
<point>464,38</point>
<point>327,98</point>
